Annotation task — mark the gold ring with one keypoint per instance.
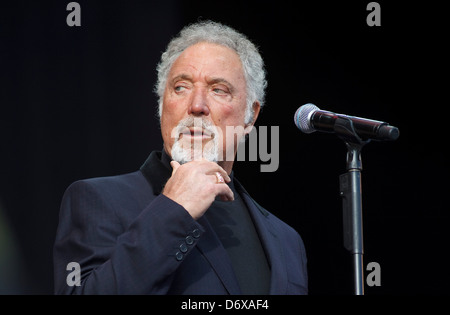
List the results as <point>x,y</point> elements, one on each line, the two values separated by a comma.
<point>220,179</point>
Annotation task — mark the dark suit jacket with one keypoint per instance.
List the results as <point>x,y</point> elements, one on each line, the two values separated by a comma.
<point>130,239</point>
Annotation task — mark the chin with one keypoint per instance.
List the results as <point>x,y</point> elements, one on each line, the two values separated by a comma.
<point>183,154</point>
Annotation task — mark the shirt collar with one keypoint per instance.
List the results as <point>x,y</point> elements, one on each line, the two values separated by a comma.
<point>157,171</point>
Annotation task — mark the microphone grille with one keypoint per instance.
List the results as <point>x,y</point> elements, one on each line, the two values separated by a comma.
<point>302,117</point>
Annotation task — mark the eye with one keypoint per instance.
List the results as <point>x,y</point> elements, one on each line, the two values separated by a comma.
<point>220,91</point>
<point>179,88</point>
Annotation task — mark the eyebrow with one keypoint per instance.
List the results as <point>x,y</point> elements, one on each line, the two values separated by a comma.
<point>182,76</point>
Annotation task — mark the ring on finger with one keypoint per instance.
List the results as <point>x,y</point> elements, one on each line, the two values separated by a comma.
<point>220,179</point>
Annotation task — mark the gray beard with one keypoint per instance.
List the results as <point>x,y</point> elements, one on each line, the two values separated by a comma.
<point>183,152</point>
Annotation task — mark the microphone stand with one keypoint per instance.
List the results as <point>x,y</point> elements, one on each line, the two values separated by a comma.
<point>350,191</point>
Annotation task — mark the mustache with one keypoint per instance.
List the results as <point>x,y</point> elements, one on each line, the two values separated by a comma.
<point>196,122</point>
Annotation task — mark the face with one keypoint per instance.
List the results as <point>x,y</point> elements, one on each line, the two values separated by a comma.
<point>205,93</point>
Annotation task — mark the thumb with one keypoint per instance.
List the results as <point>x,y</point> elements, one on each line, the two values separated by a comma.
<point>175,165</point>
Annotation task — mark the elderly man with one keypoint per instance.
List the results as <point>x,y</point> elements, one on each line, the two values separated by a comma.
<point>183,224</point>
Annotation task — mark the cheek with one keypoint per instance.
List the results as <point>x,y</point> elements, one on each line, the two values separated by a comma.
<point>168,123</point>
<point>230,136</point>
<point>232,119</point>
<point>166,131</point>
<point>230,114</point>
<point>170,110</point>
<point>168,106</point>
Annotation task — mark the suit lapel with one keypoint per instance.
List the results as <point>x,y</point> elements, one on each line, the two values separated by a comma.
<point>215,253</point>
<point>270,242</point>
<point>213,250</point>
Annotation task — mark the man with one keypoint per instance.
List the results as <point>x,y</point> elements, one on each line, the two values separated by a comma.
<point>183,224</point>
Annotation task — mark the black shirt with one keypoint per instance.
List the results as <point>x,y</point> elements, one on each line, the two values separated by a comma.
<point>233,225</point>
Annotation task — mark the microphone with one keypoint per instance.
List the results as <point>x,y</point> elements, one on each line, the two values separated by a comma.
<point>309,118</point>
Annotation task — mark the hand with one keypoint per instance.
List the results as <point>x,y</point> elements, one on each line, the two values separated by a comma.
<point>194,186</point>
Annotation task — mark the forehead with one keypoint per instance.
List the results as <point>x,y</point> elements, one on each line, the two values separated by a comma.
<point>208,59</point>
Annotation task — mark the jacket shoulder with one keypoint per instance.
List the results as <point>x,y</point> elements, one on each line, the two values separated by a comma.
<point>116,185</point>
<point>129,191</point>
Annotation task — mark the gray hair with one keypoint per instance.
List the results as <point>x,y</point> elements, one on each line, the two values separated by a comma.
<point>213,32</point>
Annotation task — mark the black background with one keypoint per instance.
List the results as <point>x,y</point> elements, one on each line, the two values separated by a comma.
<point>77,102</point>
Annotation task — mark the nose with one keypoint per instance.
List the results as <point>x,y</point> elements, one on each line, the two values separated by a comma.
<point>199,105</point>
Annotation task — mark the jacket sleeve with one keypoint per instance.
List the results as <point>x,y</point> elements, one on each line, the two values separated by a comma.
<point>140,258</point>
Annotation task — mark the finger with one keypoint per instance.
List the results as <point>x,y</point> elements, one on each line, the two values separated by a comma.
<point>213,168</point>
<point>225,193</point>
<point>175,165</point>
<point>219,178</point>
<point>225,198</point>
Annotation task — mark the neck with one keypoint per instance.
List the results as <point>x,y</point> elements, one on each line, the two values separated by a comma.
<point>227,166</point>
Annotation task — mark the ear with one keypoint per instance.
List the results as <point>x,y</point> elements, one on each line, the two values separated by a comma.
<point>256,108</point>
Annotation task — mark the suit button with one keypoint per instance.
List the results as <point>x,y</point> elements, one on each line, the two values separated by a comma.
<point>196,233</point>
<point>179,256</point>
<point>183,248</point>
<point>189,240</point>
